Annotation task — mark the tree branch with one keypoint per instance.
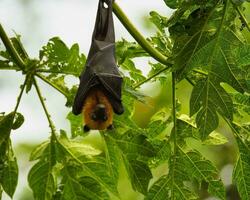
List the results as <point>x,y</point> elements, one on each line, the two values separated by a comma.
<point>51,84</point>
<point>138,36</point>
<point>20,95</point>
<point>52,127</point>
<point>151,77</point>
<point>11,49</point>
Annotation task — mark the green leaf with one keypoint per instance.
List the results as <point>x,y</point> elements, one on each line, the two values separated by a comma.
<point>211,99</point>
<point>162,188</point>
<point>127,50</point>
<point>42,176</point>
<point>76,125</point>
<point>59,58</point>
<point>135,74</point>
<point>135,151</point>
<point>93,189</point>
<point>241,173</point>
<point>9,172</point>
<point>82,188</point>
<point>139,174</point>
<point>200,169</point>
<point>39,151</point>
<point>158,123</point>
<point>241,104</point>
<point>112,158</point>
<point>42,180</point>
<point>173,3</point>
<point>94,167</point>
<point>78,149</point>
<point>215,138</point>
<point>18,121</point>
<point>162,150</point>
<point>241,54</point>
<point>6,123</point>
<point>158,20</point>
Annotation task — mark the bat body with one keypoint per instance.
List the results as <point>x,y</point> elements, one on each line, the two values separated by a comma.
<point>97,111</point>
<point>99,92</point>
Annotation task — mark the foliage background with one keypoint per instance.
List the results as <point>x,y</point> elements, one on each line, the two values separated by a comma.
<point>39,21</point>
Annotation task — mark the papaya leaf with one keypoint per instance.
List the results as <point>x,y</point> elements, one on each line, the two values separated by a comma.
<point>112,158</point>
<point>241,175</point>
<point>42,180</point>
<point>80,188</point>
<point>200,169</point>
<point>9,171</point>
<point>56,57</point>
<point>135,151</point>
<point>42,176</point>
<point>165,188</point>
<point>91,165</point>
<point>158,123</point>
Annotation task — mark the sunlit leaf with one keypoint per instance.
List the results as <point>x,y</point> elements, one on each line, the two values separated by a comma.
<point>241,173</point>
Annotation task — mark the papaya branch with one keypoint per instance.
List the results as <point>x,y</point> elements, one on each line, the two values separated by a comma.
<point>139,37</point>
<point>11,49</point>
<point>52,127</point>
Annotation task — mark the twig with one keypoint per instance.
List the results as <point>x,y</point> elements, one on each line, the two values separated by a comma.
<point>11,49</point>
<point>138,36</point>
<point>151,77</point>
<point>51,84</point>
<point>52,127</point>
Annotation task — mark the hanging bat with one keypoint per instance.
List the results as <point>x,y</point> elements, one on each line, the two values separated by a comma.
<point>99,92</point>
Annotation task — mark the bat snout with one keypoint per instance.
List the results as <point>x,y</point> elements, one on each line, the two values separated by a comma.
<point>99,113</point>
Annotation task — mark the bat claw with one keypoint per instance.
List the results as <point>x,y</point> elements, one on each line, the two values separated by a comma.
<point>110,127</point>
<point>86,129</point>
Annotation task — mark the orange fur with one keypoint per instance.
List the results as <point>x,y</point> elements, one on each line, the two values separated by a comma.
<point>95,97</point>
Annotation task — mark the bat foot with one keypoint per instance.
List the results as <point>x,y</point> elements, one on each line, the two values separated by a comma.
<point>110,127</point>
<point>86,129</point>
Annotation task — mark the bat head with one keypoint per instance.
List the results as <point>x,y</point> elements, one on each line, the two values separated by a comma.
<point>99,113</point>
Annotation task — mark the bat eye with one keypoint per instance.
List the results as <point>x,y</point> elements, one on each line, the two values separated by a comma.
<point>105,118</point>
<point>93,116</point>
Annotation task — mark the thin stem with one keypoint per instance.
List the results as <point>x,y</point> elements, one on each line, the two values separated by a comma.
<point>20,95</point>
<point>151,77</point>
<point>243,18</point>
<point>11,49</point>
<point>190,81</point>
<point>56,72</point>
<point>138,36</point>
<point>51,84</point>
<point>200,72</point>
<point>174,133</point>
<point>174,110</point>
<point>52,127</point>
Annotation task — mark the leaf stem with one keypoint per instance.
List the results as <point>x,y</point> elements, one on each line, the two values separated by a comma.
<point>200,72</point>
<point>51,84</point>
<point>174,110</point>
<point>243,18</point>
<point>11,49</point>
<point>56,72</point>
<point>151,77</point>
<point>20,95</point>
<point>174,133</point>
<point>52,127</point>
<point>138,36</point>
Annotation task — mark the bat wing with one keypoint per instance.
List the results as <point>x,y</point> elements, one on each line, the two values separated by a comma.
<point>101,70</point>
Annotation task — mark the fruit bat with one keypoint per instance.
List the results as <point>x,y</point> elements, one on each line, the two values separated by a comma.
<point>99,92</point>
